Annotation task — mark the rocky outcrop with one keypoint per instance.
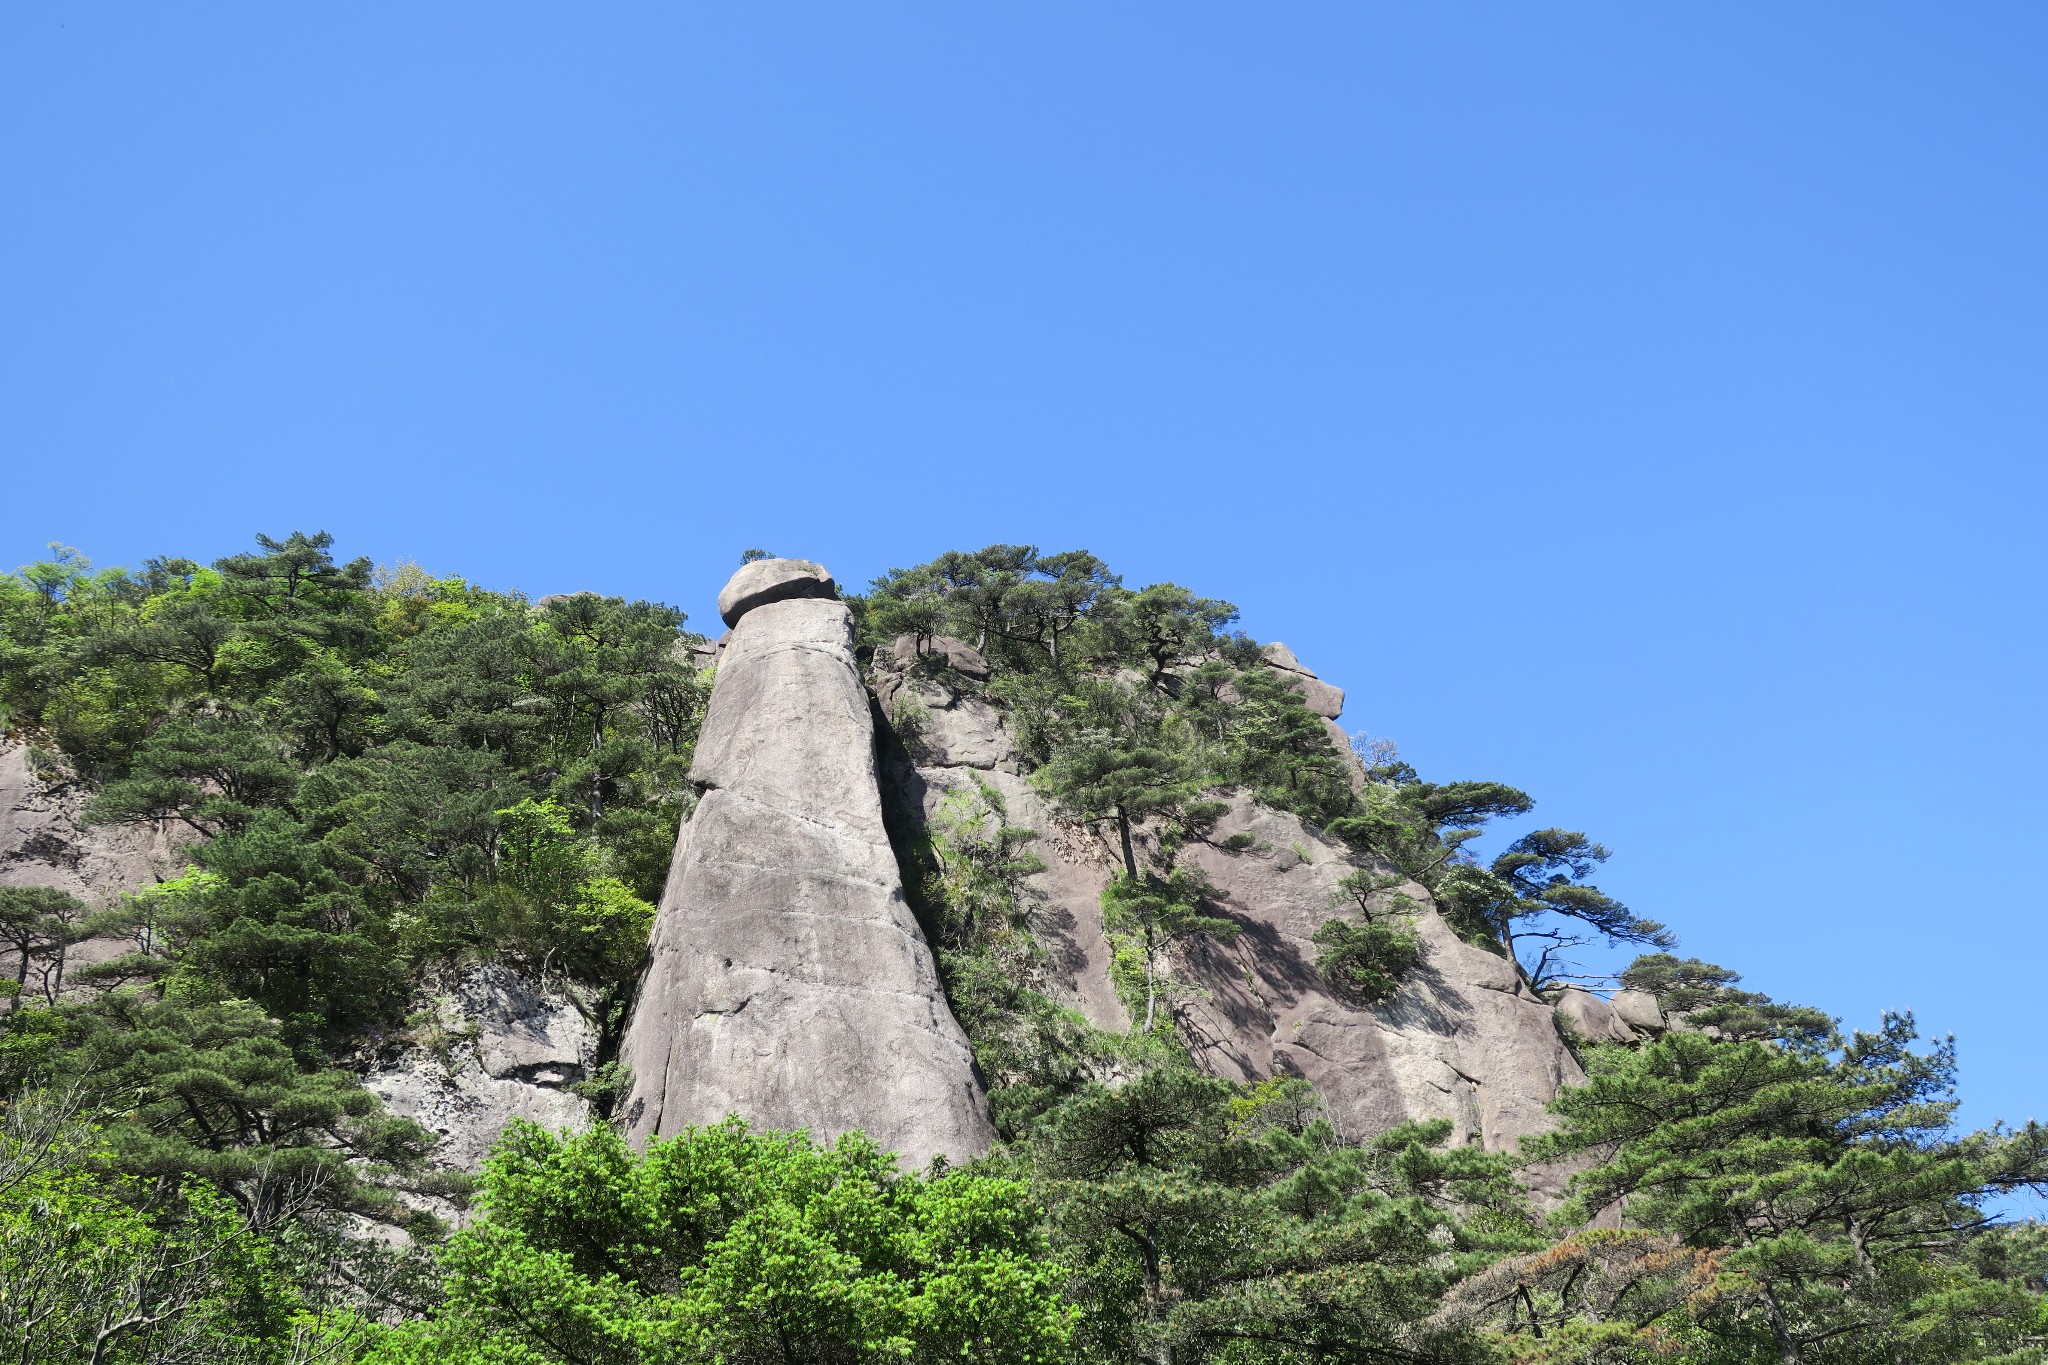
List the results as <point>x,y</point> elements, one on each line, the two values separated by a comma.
<point>1594,1019</point>
<point>1639,1011</point>
<point>1462,1040</point>
<point>493,1048</point>
<point>773,580</point>
<point>1321,698</point>
<point>44,841</point>
<point>952,741</point>
<point>944,650</point>
<point>788,981</point>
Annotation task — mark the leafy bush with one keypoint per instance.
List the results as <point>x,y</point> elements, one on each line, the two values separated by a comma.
<point>1365,961</point>
<point>726,1244</point>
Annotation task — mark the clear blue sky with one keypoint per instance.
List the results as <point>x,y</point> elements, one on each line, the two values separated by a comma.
<point>1642,404</point>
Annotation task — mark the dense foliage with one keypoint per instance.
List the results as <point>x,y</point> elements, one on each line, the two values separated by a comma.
<point>379,778</point>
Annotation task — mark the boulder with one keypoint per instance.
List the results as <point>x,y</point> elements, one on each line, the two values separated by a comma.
<point>1638,1010</point>
<point>1592,1018</point>
<point>947,729</point>
<point>1323,699</point>
<point>553,598</point>
<point>773,580</point>
<point>1281,657</point>
<point>788,981</point>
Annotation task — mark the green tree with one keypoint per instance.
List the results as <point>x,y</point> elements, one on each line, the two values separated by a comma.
<point>1705,997</point>
<point>214,1091</point>
<point>726,1244</point>
<point>1535,892</point>
<point>40,925</point>
<point>211,773</point>
<point>596,661</point>
<point>1162,627</point>
<point>115,1270</point>
<point>1122,757</point>
<point>1208,1222</point>
<point>1367,960</point>
<point>1839,1207</point>
<point>1147,915</point>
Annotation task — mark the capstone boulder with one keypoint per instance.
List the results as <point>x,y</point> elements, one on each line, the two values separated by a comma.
<point>773,580</point>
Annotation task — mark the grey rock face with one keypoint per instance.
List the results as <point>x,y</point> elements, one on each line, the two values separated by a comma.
<point>959,656</point>
<point>45,842</point>
<point>773,580</point>
<point>1461,1040</point>
<point>788,981</point>
<point>500,1048</point>
<point>1280,656</point>
<point>1323,699</point>
<point>944,727</point>
<point>1062,903</point>
<point>1594,1018</point>
<point>1639,1011</point>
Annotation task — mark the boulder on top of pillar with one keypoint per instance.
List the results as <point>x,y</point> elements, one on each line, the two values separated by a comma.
<point>772,580</point>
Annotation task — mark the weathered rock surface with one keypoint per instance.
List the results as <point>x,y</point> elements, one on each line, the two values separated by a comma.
<point>493,1049</point>
<point>773,580</point>
<point>1462,1039</point>
<point>1280,656</point>
<point>957,655</point>
<point>1595,1019</point>
<point>788,981</point>
<point>958,742</point>
<point>1639,1011</point>
<point>945,727</point>
<point>1321,698</point>
<point>45,842</point>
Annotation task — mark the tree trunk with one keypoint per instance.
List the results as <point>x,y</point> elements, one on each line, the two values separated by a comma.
<point>1123,829</point>
<point>1155,1298</point>
<point>1781,1330</point>
<point>1151,984</point>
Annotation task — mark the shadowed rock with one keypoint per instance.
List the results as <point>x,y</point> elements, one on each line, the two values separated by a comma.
<point>788,981</point>
<point>1462,1039</point>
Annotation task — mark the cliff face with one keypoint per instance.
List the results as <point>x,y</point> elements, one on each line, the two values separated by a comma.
<point>1462,1040</point>
<point>492,1048</point>
<point>788,980</point>
<point>44,842</point>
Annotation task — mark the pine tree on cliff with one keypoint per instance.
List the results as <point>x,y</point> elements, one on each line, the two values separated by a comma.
<point>1827,1187</point>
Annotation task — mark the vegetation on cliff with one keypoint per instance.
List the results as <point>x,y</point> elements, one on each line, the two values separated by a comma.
<point>382,775</point>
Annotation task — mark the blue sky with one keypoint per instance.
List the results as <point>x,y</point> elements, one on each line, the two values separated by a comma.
<point>1639,404</point>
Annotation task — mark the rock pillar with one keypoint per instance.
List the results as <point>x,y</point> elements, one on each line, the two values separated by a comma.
<point>788,981</point>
